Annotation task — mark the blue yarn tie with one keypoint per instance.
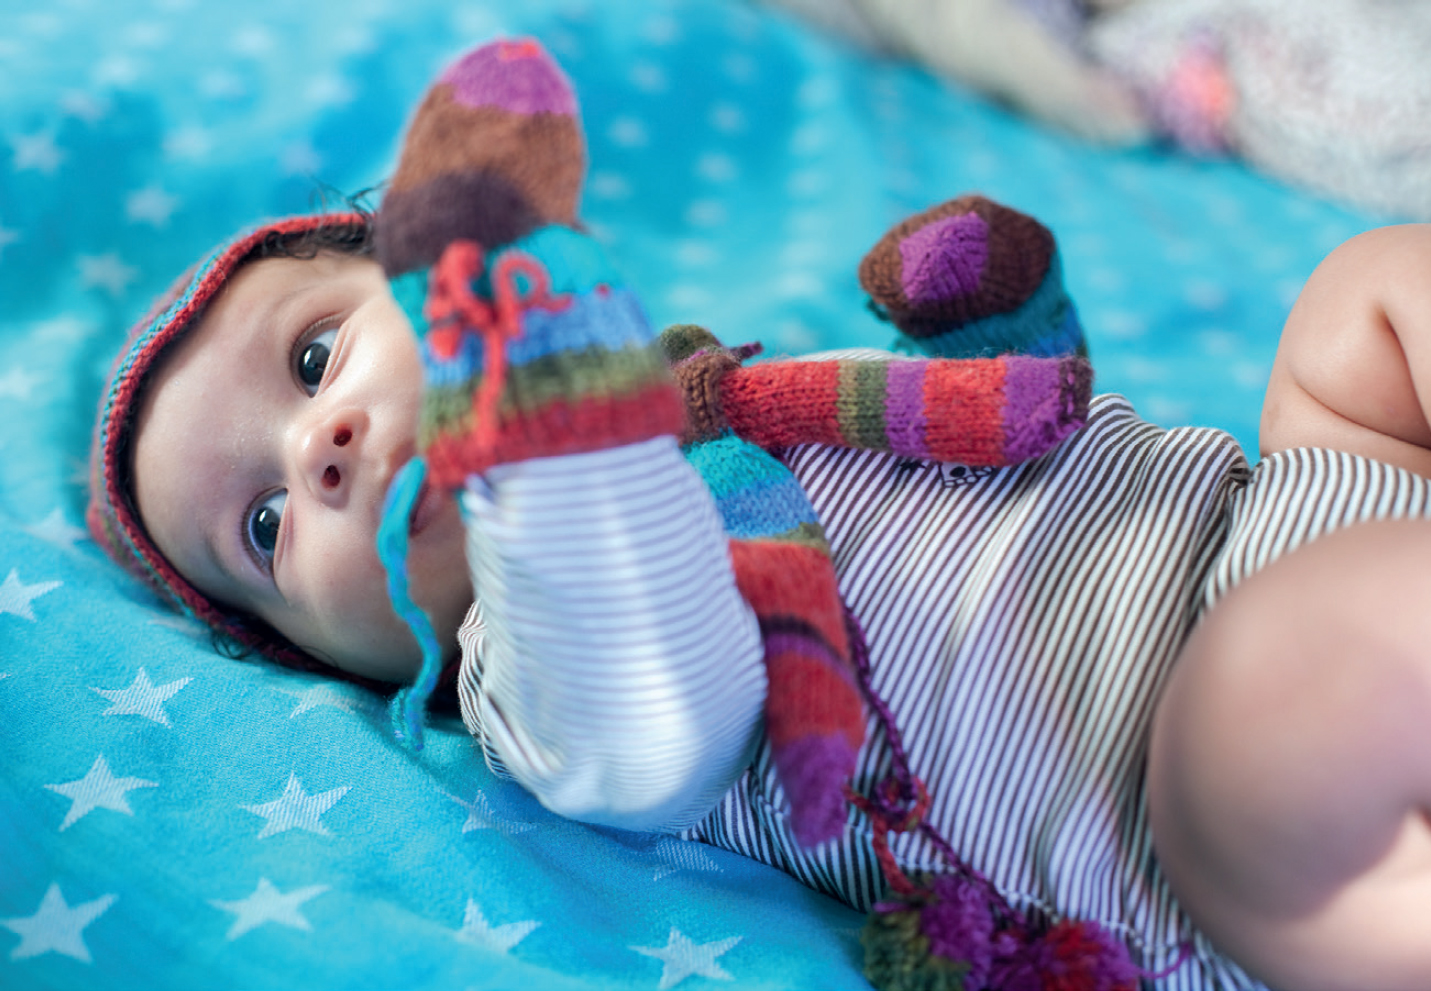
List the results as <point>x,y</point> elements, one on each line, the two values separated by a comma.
<point>410,703</point>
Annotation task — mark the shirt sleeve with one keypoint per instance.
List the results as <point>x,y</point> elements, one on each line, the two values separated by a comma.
<point>610,665</point>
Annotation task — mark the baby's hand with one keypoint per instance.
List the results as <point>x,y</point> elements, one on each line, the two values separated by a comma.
<point>530,344</point>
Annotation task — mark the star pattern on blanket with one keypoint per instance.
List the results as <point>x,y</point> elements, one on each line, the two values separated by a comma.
<point>296,809</point>
<point>37,152</point>
<point>56,926</point>
<point>269,904</point>
<point>682,855</point>
<point>17,383</point>
<point>479,932</point>
<point>341,697</point>
<point>142,698</point>
<point>16,596</point>
<point>481,815</point>
<point>55,528</point>
<point>682,958</point>
<point>108,272</point>
<point>8,236</point>
<point>150,205</point>
<point>98,789</point>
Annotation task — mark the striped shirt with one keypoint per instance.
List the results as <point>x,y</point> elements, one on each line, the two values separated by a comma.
<point>1022,623</point>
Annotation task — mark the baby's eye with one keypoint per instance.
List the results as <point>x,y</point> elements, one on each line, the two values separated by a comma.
<point>313,359</point>
<point>263,523</point>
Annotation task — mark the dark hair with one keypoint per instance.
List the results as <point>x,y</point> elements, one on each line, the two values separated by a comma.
<point>345,237</point>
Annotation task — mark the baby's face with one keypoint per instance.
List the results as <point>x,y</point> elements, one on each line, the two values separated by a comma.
<point>264,451</point>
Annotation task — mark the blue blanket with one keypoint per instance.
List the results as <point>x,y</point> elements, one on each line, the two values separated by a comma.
<point>171,818</point>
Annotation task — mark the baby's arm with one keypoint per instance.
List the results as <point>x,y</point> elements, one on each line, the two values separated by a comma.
<point>1353,369</point>
<point>618,674</point>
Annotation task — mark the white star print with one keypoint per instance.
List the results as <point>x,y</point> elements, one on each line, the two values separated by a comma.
<point>296,809</point>
<point>330,91</point>
<point>16,596</point>
<point>475,929</point>
<point>680,855</point>
<point>682,958</point>
<point>188,142</point>
<point>150,205</point>
<point>300,158</point>
<point>98,789</point>
<point>106,272</point>
<point>66,328</point>
<point>80,104</point>
<point>348,700</point>
<point>36,151</point>
<point>142,698</point>
<point>55,529</point>
<point>268,904</point>
<point>7,237</point>
<point>56,927</point>
<point>481,816</point>
<point>116,70</point>
<point>17,383</point>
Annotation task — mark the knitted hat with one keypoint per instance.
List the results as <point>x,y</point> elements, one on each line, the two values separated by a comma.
<point>112,514</point>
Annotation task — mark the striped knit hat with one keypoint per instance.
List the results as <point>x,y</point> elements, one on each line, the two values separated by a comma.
<point>112,515</point>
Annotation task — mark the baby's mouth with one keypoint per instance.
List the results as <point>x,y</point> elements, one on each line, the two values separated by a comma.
<point>429,501</point>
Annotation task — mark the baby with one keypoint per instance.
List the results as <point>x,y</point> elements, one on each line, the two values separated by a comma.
<point>1085,645</point>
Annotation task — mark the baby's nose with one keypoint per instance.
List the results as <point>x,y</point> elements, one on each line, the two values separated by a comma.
<point>332,474</point>
<point>329,453</point>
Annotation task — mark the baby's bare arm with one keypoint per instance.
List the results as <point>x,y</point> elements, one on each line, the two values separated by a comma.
<point>1353,369</point>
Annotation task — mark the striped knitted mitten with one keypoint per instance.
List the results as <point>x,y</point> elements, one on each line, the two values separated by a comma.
<point>982,411</point>
<point>971,277</point>
<point>530,344</point>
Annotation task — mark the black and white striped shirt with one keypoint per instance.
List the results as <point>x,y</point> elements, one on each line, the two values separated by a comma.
<point>1022,623</point>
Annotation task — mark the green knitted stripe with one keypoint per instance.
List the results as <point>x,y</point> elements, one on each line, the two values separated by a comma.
<point>570,375</point>
<point>859,408</point>
<point>806,535</point>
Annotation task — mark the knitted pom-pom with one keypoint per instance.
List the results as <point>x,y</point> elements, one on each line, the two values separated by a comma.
<point>946,934</point>
<point>1072,956</point>
<point>897,956</point>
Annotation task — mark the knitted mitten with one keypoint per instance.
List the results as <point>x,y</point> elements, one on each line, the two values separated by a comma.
<point>972,277</point>
<point>531,346</point>
<point>983,411</point>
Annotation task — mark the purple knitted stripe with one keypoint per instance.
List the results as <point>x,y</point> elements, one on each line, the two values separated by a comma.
<point>944,259</point>
<point>812,770</point>
<point>904,418</point>
<point>517,76</point>
<point>807,645</point>
<point>1037,413</point>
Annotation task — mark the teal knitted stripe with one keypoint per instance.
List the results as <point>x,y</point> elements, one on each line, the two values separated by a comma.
<point>756,495</point>
<point>410,291</point>
<point>574,262</point>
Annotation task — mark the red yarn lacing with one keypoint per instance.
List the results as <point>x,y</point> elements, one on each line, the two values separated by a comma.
<point>453,310</point>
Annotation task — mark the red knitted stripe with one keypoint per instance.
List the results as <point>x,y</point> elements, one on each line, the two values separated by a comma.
<point>780,404</point>
<point>827,703</point>
<point>969,397</point>
<point>562,427</point>
<point>782,579</point>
